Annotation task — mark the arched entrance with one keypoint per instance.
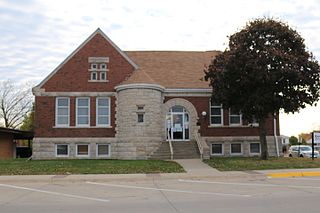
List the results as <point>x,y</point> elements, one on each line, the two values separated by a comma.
<point>177,124</point>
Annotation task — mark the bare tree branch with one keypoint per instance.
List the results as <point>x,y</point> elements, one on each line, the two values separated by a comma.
<point>15,103</point>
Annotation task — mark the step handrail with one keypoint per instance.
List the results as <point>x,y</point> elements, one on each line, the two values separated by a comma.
<point>170,145</point>
<point>198,140</point>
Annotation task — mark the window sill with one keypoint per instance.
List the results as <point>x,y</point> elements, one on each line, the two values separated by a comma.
<point>230,126</point>
<point>98,81</point>
<point>97,70</point>
<point>82,127</point>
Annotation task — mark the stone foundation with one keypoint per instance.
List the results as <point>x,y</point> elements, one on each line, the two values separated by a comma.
<point>245,141</point>
<point>125,148</point>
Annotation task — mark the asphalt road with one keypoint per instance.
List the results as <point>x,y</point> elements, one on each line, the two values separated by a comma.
<point>239,195</point>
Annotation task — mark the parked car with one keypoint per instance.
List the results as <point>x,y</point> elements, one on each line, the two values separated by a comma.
<point>302,151</point>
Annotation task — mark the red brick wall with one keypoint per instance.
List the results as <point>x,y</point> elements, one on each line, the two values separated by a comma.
<point>45,120</point>
<point>73,76</point>
<point>202,104</point>
<point>6,146</point>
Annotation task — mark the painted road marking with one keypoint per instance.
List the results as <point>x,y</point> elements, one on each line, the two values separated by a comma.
<point>53,193</point>
<point>167,190</point>
<point>293,174</point>
<point>248,184</point>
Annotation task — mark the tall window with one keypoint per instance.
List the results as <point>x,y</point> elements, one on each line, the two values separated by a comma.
<point>234,117</point>
<point>216,113</point>
<point>62,111</point>
<point>83,112</point>
<point>103,112</point>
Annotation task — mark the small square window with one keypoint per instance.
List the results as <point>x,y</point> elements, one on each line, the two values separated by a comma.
<point>62,150</point>
<point>82,150</point>
<point>236,148</point>
<point>140,107</point>
<point>216,149</point>
<point>94,66</point>
<point>103,150</point>
<point>103,76</point>
<point>93,76</point>
<point>140,118</point>
<point>255,148</point>
<point>103,66</point>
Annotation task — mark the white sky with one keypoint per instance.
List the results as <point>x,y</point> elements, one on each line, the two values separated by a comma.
<point>35,35</point>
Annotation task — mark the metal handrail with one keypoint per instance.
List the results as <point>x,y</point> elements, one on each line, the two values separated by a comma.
<point>198,140</point>
<point>170,145</point>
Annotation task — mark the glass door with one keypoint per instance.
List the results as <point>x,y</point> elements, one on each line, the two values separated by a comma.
<point>177,124</point>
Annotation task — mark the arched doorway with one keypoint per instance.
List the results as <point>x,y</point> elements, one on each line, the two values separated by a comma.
<point>177,124</point>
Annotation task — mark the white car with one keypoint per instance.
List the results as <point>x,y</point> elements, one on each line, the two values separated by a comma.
<point>302,151</point>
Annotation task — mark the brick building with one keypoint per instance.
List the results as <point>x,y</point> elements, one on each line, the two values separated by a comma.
<point>102,102</point>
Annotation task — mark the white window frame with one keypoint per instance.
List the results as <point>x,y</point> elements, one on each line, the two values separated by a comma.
<point>92,68</point>
<point>221,113</point>
<point>109,116</point>
<point>91,76</point>
<point>217,154</point>
<point>240,118</point>
<point>254,153</point>
<point>105,74</point>
<point>82,156</point>
<point>83,125</point>
<point>103,156</point>
<point>56,112</point>
<point>56,150</point>
<point>241,145</point>
<point>103,69</point>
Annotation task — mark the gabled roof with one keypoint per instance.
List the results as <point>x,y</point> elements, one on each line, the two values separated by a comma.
<point>98,31</point>
<point>171,69</point>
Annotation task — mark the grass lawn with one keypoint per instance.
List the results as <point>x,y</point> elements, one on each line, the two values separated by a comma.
<point>254,163</point>
<point>55,167</point>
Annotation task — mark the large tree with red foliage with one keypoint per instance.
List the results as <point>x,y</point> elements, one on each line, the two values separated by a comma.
<point>266,68</point>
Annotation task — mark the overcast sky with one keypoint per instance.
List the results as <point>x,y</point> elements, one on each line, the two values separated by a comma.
<point>37,35</point>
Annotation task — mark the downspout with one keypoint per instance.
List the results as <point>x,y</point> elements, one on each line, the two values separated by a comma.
<point>275,133</point>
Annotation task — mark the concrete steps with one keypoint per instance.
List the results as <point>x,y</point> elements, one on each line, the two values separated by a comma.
<point>181,150</point>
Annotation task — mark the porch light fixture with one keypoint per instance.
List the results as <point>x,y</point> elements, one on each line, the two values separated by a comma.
<point>204,113</point>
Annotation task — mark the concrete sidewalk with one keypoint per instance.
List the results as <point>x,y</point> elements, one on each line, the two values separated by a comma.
<point>195,169</point>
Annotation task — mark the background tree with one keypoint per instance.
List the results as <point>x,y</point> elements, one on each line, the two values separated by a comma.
<point>293,141</point>
<point>28,121</point>
<point>15,103</point>
<point>265,68</point>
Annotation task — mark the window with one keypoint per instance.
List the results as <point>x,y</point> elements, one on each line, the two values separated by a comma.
<point>140,118</point>
<point>103,76</point>
<point>236,148</point>
<point>103,150</point>
<point>82,111</point>
<point>216,149</point>
<point>140,107</point>
<point>254,148</point>
<point>216,116</point>
<point>103,112</point>
<point>234,117</point>
<point>82,150</point>
<point>94,66</point>
<point>62,150</point>
<point>93,76</point>
<point>103,66</point>
<point>254,122</point>
<point>62,111</point>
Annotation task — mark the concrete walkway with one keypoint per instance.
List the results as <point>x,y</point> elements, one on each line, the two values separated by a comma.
<point>197,167</point>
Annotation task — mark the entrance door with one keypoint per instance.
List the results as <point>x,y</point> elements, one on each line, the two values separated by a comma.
<point>177,124</point>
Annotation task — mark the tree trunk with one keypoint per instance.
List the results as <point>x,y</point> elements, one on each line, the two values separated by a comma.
<point>263,139</point>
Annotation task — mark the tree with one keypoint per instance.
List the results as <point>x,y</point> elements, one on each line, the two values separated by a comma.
<point>28,121</point>
<point>265,68</point>
<point>293,141</point>
<point>15,103</point>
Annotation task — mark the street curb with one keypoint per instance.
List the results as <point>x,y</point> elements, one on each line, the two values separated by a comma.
<point>293,174</point>
<point>121,177</point>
